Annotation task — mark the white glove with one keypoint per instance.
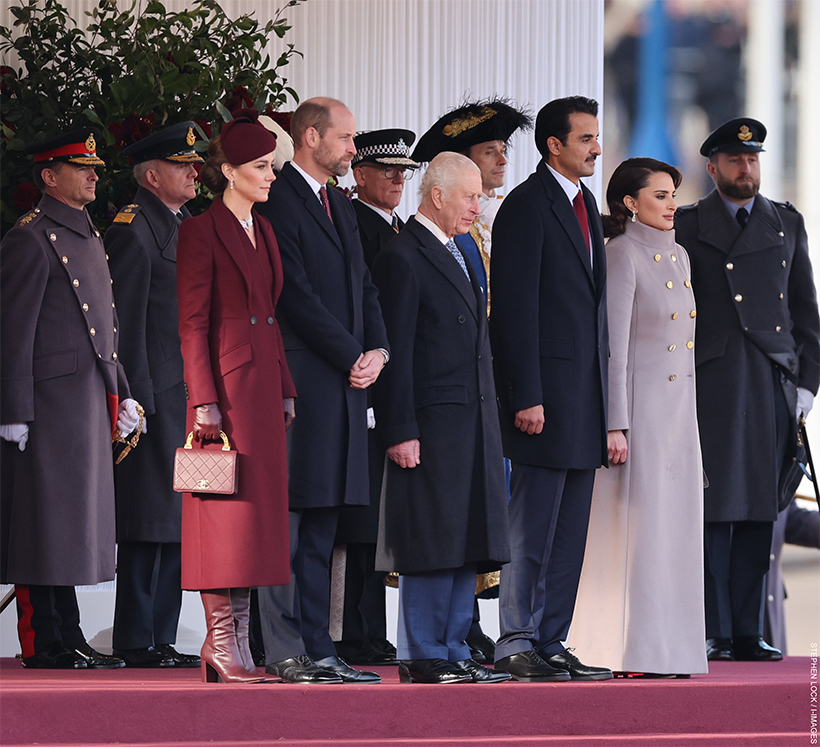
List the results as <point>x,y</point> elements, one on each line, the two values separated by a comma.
<point>805,400</point>
<point>128,418</point>
<point>371,419</point>
<point>16,432</point>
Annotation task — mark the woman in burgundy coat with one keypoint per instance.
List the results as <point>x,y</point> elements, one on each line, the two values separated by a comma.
<point>229,278</point>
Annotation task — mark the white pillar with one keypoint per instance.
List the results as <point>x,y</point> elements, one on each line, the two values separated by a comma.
<point>765,85</point>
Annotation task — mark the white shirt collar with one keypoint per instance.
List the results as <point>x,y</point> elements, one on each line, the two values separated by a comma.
<point>432,228</point>
<point>312,183</point>
<point>383,213</point>
<point>570,188</point>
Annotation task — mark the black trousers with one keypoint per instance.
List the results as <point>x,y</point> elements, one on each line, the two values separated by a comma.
<point>149,594</point>
<point>364,616</point>
<point>46,614</point>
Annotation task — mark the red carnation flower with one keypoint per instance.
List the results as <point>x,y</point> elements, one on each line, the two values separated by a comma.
<point>238,98</point>
<point>132,129</point>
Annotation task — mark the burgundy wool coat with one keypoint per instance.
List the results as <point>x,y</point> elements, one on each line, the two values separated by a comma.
<point>233,355</point>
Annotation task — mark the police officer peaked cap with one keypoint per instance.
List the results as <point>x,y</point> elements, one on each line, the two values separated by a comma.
<point>174,144</point>
<point>388,147</point>
<point>78,146</point>
<point>469,125</point>
<point>741,135</point>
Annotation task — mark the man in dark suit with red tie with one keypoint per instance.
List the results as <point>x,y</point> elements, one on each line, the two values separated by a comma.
<point>336,346</point>
<point>550,340</point>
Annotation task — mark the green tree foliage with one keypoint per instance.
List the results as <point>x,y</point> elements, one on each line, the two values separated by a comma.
<point>130,72</point>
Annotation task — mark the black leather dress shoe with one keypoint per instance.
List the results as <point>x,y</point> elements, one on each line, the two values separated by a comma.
<point>754,648</point>
<point>143,658</point>
<point>481,675</point>
<point>569,662</point>
<point>719,649</point>
<point>384,646</point>
<point>528,666</point>
<point>303,669</point>
<point>362,652</point>
<point>346,672</point>
<point>482,648</point>
<point>432,672</point>
<point>184,661</point>
<point>96,660</point>
<point>55,656</point>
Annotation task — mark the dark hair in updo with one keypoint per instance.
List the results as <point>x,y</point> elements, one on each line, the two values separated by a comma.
<point>211,175</point>
<point>629,179</point>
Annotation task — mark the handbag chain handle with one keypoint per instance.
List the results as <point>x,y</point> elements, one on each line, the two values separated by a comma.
<point>226,444</point>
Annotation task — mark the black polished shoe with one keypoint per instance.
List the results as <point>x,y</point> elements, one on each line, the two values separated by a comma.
<point>528,666</point>
<point>719,649</point>
<point>183,661</point>
<point>481,675</point>
<point>346,672</point>
<point>362,652</point>
<point>96,660</point>
<point>482,648</point>
<point>143,658</point>
<point>303,669</point>
<point>55,656</point>
<point>754,648</point>
<point>432,672</point>
<point>569,662</point>
<point>384,646</point>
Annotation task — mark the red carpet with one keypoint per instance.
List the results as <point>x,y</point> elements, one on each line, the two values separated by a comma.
<point>738,703</point>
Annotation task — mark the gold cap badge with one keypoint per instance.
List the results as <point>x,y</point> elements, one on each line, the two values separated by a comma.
<point>745,134</point>
<point>190,138</point>
<point>91,144</point>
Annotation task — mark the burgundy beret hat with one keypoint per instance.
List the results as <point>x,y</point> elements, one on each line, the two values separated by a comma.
<point>245,138</point>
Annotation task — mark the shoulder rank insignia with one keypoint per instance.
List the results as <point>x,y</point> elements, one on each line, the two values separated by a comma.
<point>786,205</point>
<point>126,215</point>
<point>26,219</point>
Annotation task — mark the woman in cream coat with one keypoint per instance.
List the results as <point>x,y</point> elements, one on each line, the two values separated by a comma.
<point>640,601</point>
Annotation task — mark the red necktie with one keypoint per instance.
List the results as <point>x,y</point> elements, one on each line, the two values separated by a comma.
<point>325,201</point>
<point>583,218</point>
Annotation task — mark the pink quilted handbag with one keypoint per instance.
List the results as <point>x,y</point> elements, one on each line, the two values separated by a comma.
<point>204,470</point>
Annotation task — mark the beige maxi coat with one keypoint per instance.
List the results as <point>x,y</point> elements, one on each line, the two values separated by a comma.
<point>640,599</point>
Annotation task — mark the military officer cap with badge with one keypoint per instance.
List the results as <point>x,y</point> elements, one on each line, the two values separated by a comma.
<point>471,124</point>
<point>78,147</point>
<point>385,147</point>
<point>174,144</point>
<point>741,135</point>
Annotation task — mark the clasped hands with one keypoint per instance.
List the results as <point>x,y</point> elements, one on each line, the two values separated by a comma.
<point>366,369</point>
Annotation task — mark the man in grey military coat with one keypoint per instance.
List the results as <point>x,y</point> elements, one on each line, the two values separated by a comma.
<point>757,357</point>
<point>63,393</point>
<point>142,248</point>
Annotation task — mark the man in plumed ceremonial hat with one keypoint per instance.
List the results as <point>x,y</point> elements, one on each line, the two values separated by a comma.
<point>142,246</point>
<point>481,131</point>
<point>757,356</point>
<point>381,166</point>
<point>64,392</point>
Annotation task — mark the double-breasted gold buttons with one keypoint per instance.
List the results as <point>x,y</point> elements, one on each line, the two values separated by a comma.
<point>693,313</point>
<point>670,285</point>
<point>738,298</point>
<point>671,347</point>
<point>75,283</point>
<point>690,344</point>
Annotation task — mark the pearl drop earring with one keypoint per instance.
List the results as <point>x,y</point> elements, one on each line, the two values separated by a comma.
<point>633,217</point>
<point>634,212</point>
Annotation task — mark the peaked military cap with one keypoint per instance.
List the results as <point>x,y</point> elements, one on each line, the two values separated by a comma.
<point>389,147</point>
<point>741,135</point>
<point>78,146</point>
<point>174,144</point>
<point>469,125</point>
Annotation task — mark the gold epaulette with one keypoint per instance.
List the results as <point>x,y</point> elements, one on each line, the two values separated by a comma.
<point>126,215</point>
<point>26,219</point>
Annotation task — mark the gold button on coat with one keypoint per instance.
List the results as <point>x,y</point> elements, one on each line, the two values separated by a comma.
<point>730,266</point>
<point>687,283</point>
<point>85,307</point>
<point>690,344</point>
<point>674,258</point>
<point>693,313</point>
<point>669,284</point>
<point>92,331</point>
<point>114,356</point>
<point>673,377</point>
<point>777,328</point>
<point>781,296</point>
<point>672,347</point>
<point>738,298</point>
<point>53,236</point>
<point>783,263</point>
<point>65,259</point>
<point>75,283</point>
<point>657,257</point>
<point>675,315</point>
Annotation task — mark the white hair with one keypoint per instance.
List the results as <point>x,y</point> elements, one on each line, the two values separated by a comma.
<point>139,172</point>
<point>445,171</point>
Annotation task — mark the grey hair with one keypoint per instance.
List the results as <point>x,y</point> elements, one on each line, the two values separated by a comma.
<point>444,172</point>
<point>140,170</point>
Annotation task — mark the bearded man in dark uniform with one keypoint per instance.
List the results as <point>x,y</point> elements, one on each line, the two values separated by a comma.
<point>757,353</point>
<point>63,392</point>
<point>142,244</point>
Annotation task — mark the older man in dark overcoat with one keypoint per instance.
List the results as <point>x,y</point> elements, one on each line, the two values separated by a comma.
<point>142,248</point>
<point>336,347</point>
<point>757,353</point>
<point>64,392</point>
<point>443,512</point>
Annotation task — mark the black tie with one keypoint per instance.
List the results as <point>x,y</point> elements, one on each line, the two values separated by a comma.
<point>742,216</point>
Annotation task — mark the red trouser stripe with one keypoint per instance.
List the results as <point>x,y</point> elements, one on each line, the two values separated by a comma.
<point>24,614</point>
<point>113,408</point>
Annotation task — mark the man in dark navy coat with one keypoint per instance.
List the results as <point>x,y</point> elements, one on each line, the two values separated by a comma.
<point>142,248</point>
<point>549,335</point>
<point>336,346</point>
<point>381,166</point>
<point>757,352</point>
